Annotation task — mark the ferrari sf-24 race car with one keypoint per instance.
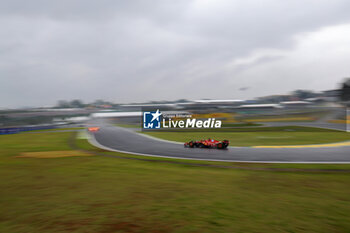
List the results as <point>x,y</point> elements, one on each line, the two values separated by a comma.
<point>209,143</point>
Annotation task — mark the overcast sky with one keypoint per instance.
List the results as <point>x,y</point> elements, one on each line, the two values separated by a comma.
<point>137,50</point>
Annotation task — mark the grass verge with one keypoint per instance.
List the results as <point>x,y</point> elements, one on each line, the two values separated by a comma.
<point>103,194</point>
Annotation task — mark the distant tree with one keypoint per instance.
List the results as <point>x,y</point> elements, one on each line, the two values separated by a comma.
<point>99,102</point>
<point>304,94</point>
<point>77,104</point>
<point>63,104</point>
<point>345,90</point>
<point>181,101</point>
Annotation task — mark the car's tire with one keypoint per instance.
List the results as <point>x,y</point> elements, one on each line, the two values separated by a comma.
<point>201,145</point>
<point>220,146</point>
<point>191,144</point>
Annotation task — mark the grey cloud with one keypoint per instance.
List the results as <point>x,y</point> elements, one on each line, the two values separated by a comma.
<point>138,50</point>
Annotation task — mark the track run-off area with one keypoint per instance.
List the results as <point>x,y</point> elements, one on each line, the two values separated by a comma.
<point>125,140</point>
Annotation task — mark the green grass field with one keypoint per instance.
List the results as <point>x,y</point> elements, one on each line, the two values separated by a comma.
<point>58,129</point>
<point>128,125</point>
<point>102,194</point>
<point>262,136</point>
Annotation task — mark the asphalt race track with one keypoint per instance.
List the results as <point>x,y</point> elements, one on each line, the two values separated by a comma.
<point>125,140</point>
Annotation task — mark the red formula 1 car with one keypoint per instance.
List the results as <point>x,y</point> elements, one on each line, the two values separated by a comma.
<point>209,143</point>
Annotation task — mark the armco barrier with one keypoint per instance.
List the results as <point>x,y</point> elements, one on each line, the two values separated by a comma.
<point>13,130</point>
